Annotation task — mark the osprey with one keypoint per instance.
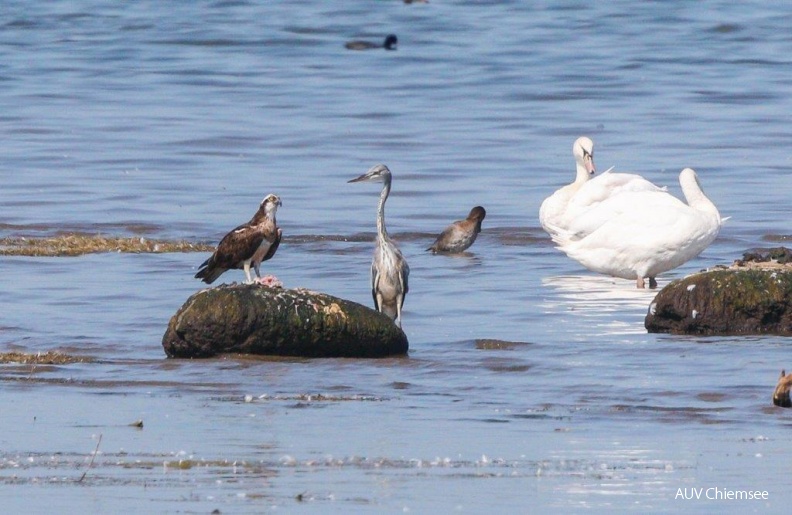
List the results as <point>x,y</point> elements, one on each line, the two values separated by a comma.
<point>250,243</point>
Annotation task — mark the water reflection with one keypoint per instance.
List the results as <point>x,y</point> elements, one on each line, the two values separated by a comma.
<point>598,296</point>
<point>598,292</point>
<point>464,258</point>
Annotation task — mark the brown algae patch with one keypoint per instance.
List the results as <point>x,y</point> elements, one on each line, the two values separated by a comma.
<point>494,344</point>
<point>42,358</point>
<point>77,244</point>
<point>777,237</point>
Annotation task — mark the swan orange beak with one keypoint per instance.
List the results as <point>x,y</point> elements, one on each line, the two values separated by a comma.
<point>589,162</point>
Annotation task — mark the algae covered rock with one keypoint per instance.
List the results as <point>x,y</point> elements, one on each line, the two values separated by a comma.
<point>254,319</point>
<point>781,393</point>
<point>754,299</point>
<point>779,255</point>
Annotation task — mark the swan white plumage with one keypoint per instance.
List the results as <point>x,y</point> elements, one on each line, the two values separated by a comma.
<point>641,234</point>
<point>561,208</point>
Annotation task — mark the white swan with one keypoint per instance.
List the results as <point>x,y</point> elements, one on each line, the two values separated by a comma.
<point>560,209</point>
<point>642,234</point>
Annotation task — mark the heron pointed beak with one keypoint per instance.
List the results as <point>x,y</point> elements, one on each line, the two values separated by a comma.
<point>359,179</point>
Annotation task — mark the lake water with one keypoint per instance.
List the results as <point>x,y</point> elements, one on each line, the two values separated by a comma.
<point>173,120</point>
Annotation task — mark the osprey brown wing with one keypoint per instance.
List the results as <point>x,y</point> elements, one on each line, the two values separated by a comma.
<point>235,247</point>
<point>238,245</point>
<point>274,246</point>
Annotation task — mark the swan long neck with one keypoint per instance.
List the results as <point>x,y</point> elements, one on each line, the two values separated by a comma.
<point>382,233</point>
<point>583,150</point>
<point>695,196</point>
<point>582,174</point>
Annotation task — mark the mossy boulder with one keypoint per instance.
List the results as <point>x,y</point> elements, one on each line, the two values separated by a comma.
<point>255,319</point>
<point>779,255</point>
<point>755,299</point>
<point>781,393</point>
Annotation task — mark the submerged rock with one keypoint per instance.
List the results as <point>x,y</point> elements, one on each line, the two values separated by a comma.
<point>780,255</point>
<point>747,298</point>
<point>254,319</point>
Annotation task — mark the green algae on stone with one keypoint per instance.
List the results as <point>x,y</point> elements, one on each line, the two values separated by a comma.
<point>726,301</point>
<point>254,319</point>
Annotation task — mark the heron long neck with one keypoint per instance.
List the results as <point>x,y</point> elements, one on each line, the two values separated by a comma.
<point>382,233</point>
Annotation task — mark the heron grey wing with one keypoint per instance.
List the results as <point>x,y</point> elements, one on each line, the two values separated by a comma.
<point>404,276</point>
<point>375,277</point>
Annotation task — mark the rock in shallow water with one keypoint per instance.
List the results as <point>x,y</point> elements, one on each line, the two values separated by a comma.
<point>781,393</point>
<point>255,319</point>
<point>779,255</point>
<point>729,301</point>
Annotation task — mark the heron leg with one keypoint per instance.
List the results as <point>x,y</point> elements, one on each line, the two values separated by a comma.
<point>652,282</point>
<point>639,283</point>
<point>399,301</point>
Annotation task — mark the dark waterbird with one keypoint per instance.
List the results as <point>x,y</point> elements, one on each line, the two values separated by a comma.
<point>461,234</point>
<point>389,44</point>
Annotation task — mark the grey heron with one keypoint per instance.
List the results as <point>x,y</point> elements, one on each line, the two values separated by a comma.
<point>389,269</point>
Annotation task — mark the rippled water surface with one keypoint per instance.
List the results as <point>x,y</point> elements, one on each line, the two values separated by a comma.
<point>531,384</point>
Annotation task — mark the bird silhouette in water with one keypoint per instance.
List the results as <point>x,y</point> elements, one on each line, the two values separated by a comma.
<point>389,269</point>
<point>389,44</point>
<point>249,244</point>
<point>461,234</point>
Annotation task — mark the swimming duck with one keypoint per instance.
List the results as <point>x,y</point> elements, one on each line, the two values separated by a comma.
<point>389,269</point>
<point>645,233</point>
<point>246,245</point>
<point>461,234</point>
<point>560,209</point>
<point>389,44</point>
